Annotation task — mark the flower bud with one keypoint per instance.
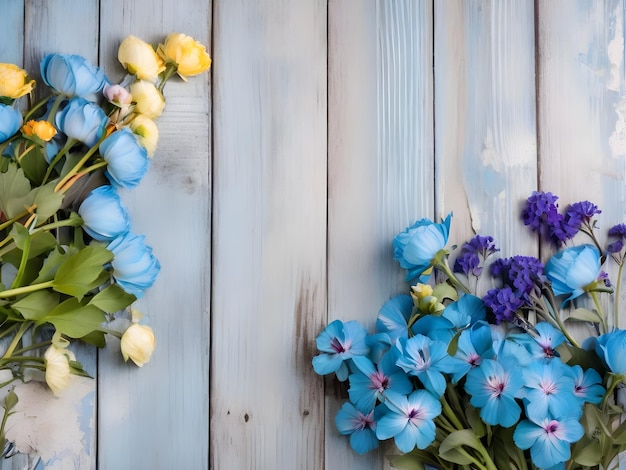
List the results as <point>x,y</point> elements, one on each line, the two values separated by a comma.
<point>140,59</point>
<point>71,75</point>
<point>419,291</point>
<point>118,95</point>
<point>149,101</point>
<point>58,368</point>
<point>189,55</point>
<point>14,81</point>
<point>138,343</point>
<point>10,121</point>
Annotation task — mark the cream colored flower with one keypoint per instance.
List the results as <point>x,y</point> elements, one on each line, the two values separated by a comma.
<point>147,132</point>
<point>190,56</point>
<point>138,343</point>
<point>140,59</point>
<point>14,81</point>
<point>149,100</point>
<point>58,368</point>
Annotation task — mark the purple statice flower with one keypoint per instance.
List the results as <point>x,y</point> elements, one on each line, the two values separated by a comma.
<point>524,274</point>
<point>541,208</point>
<point>579,214</point>
<point>617,231</point>
<point>469,259</point>
<point>504,303</point>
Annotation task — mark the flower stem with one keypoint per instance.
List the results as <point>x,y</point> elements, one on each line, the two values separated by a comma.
<point>82,161</point>
<point>617,294</point>
<point>443,265</point>
<point>5,294</point>
<point>596,302</point>
<point>18,336</point>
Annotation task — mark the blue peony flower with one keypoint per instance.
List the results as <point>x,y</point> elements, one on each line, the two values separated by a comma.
<point>10,121</point>
<point>82,120</point>
<point>127,160</point>
<point>134,266</point>
<point>416,247</point>
<point>611,347</point>
<point>338,343</point>
<point>571,270</point>
<point>360,425</point>
<point>493,386</point>
<point>548,439</point>
<point>409,419</point>
<point>103,214</point>
<point>71,75</point>
<point>371,381</point>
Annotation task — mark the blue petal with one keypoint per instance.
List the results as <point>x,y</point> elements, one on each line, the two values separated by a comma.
<point>363,441</point>
<point>326,364</point>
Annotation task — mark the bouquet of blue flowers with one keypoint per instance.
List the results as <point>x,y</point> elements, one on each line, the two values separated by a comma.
<point>69,262</point>
<point>524,375</point>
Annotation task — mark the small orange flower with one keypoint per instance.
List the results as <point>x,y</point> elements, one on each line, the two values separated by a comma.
<point>42,129</point>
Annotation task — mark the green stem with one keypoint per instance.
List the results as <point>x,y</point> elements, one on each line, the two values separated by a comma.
<point>450,414</point>
<point>117,334</point>
<point>39,345</point>
<point>554,313</point>
<point>8,330</point>
<point>445,268</point>
<point>82,161</point>
<point>12,220</point>
<point>596,302</point>
<point>23,262</point>
<point>617,294</point>
<point>25,289</point>
<point>68,145</point>
<point>71,222</point>
<point>18,336</point>
<point>55,106</point>
<point>35,107</point>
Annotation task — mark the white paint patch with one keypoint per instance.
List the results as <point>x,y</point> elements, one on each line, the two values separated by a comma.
<point>616,52</point>
<point>53,427</point>
<point>617,141</point>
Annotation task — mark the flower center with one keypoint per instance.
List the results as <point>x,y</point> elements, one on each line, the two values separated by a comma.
<point>379,381</point>
<point>336,345</point>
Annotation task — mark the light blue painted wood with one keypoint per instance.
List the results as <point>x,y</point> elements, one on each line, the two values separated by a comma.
<point>157,417</point>
<point>269,245</point>
<point>12,33</point>
<point>381,165</point>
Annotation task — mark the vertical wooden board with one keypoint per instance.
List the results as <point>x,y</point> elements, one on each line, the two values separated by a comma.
<point>381,174</point>
<point>44,30</point>
<point>12,33</point>
<point>485,128</point>
<point>269,271</point>
<point>582,119</point>
<point>157,416</point>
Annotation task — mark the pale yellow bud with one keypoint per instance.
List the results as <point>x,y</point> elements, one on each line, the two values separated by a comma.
<point>138,343</point>
<point>149,100</point>
<point>140,59</point>
<point>58,368</point>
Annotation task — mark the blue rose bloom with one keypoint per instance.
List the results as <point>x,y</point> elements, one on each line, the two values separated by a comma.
<point>127,159</point>
<point>571,270</point>
<point>416,247</point>
<point>134,266</point>
<point>10,121</point>
<point>611,347</point>
<point>103,214</point>
<point>82,120</point>
<point>71,75</point>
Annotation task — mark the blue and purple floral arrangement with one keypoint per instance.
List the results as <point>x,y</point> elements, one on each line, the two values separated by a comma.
<point>492,380</point>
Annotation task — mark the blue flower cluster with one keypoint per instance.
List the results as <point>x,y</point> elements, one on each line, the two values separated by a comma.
<point>444,363</point>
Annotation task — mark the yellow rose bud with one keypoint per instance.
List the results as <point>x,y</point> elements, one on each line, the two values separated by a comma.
<point>58,368</point>
<point>138,343</point>
<point>147,132</point>
<point>14,81</point>
<point>42,129</point>
<point>140,59</point>
<point>149,100</point>
<point>188,54</point>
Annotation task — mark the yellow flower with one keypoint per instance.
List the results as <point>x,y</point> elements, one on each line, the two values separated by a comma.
<point>14,81</point>
<point>147,132</point>
<point>138,343</point>
<point>58,368</point>
<point>42,129</point>
<point>188,54</point>
<point>140,59</point>
<point>149,100</point>
<point>419,291</point>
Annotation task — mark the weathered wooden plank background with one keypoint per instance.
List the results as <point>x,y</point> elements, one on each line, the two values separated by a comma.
<point>324,128</point>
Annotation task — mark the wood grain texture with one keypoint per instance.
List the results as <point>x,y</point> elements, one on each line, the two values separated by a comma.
<point>485,129</point>
<point>157,416</point>
<point>269,218</point>
<point>381,165</point>
<point>12,34</point>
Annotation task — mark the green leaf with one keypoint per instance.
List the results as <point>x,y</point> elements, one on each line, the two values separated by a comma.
<point>77,275</point>
<point>587,452</point>
<point>34,162</point>
<point>584,314</point>
<point>37,305</point>
<point>51,265</point>
<point>10,400</point>
<point>96,338</point>
<point>75,320</point>
<point>15,192</point>
<point>112,299</point>
<point>48,202</point>
<point>451,447</point>
<point>407,462</point>
<point>445,291</point>
<point>76,368</point>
